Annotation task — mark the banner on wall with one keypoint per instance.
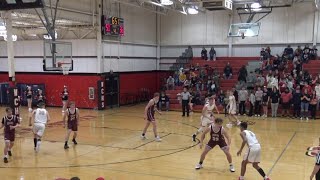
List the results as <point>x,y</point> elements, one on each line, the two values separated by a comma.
<point>101,95</point>
<point>14,100</point>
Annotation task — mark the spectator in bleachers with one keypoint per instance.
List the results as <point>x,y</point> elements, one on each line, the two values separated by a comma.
<point>290,83</point>
<point>306,54</point>
<point>268,52</point>
<point>213,88</point>
<point>276,63</point>
<point>164,101</point>
<point>298,52</point>
<point>263,55</point>
<point>275,99</point>
<point>227,72</point>
<point>265,101</point>
<point>182,78</point>
<point>288,53</point>
<point>313,104</point>
<point>240,85</point>
<point>317,90</point>
<point>216,78</point>
<point>314,53</point>
<point>307,88</point>
<point>187,83</point>
<point>251,80</point>
<point>189,52</point>
<point>185,97</point>
<point>204,54</point>
<point>260,81</point>
<point>258,97</point>
<point>170,83</point>
<point>213,54</point>
<point>252,101</point>
<point>286,97</point>
<point>298,66</point>
<point>305,100</point>
<point>296,99</point>
<point>269,79</point>
<point>243,73</point>
<point>243,97</point>
<point>275,82</point>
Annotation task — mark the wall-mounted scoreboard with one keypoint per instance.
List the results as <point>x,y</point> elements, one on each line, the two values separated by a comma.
<point>112,26</point>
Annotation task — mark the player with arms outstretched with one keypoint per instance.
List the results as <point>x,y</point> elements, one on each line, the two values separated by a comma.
<point>254,151</point>
<point>207,117</point>
<point>217,137</point>
<point>149,117</point>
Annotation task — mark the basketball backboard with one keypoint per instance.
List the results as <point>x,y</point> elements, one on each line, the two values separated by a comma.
<point>244,30</point>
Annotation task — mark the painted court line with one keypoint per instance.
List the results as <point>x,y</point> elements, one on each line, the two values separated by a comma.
<point>150,141</point>
<point>285,148</point>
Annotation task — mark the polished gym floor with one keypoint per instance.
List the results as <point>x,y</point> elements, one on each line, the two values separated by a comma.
<point>109,146</point>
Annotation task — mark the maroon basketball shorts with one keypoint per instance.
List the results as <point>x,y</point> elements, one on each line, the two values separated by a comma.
<point>73,126</point>
<point>9,136</point>
<point>220,143</point>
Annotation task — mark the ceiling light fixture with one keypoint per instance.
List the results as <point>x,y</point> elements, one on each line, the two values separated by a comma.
<point>193,10</point>
<point>166,2</point>
<point>256,7</point>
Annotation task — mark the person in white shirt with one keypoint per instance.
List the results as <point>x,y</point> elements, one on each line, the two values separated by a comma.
<point>40,118</point>
<point>207,117</point>
<point>254,151</point>
<point>232,106</point>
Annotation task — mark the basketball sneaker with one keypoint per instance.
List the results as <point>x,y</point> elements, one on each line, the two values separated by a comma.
<point>231,168</point>
<point>143,137</point>
<point>198,166</point>
<point>5,160</point>
<point>241,178</point>
<point>307,118</point>
<point>158,139</point>
<point>9,153</point>
<point>66,146</point>
<point>194,138</point>
<point>74,141</point>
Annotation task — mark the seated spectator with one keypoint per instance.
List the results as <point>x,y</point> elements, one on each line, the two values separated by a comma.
<point>164,101</point>
<point>298,52</point>
<point>306,54</point>
<point>260,81</point>
<point>227,72</point>
<point>243,73</point>
<point>286,97</point>
<point>314,53</point>
<point>288,53</point>
<point>204,54</point>
<point>170,83</point>
<point>251,80</point>
<point>212,54</point>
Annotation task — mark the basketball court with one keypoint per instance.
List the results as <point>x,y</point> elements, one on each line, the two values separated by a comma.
<point>113,55</point>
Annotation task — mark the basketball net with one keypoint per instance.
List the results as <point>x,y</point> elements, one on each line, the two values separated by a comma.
<point>65,69</point>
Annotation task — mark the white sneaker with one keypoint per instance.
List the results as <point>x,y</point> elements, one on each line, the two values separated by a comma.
<point>232,168</point>
<point>158,139</point>
<point>238,123</point>
<point>301,118</point>
<point>307,119</point>
<point>143,137</point>
<point>30,109</point>
<point>38,147</point>
<point>198,166</point>
<point>258,115</point>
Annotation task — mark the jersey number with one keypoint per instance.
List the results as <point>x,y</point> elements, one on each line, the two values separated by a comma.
<point>215,139</point>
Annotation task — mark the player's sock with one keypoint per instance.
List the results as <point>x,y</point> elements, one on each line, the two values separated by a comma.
<point>201,162</point>
<point>35,142</point>
<point>261,172</point>
<point>241,178</point>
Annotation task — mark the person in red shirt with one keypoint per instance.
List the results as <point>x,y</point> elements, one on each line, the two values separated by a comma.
<point>307,87</point>
<point>286,97</point>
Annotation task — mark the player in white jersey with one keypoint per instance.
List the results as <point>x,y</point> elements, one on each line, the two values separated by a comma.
<point>40,118</point>
<point>207,117</point>
<point>232,110</point>
<point>254,151</point>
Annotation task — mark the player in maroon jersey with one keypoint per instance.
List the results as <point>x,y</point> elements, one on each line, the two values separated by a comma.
<point>73,122</point>
<point>149,117</point>
<point>10,123</point>
<point>217,137</point>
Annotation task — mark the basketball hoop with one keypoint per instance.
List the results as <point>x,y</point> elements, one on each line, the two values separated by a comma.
<point>65,67</point>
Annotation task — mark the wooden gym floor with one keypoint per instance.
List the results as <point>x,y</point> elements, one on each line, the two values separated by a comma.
<point>110,146</point>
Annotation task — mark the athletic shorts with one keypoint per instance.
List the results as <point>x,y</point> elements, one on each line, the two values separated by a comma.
<point>38,129</point>
<point>9,137</point>
<point>222,144</point>
<point>205,122</point>
<point>232,110</point>
<point>253,154</point>
<point>73,126</point>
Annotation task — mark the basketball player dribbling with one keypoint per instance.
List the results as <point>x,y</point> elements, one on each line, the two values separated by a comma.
<point>64,98</point>
<point>232,111</point>
<point>72,114</point>
<point>217,137</point>
<point>29,98</point>
<point>40,118</point>
<point>207,117</point>
<point>149,117</point>
<point>10,123</point>
<point>254,151</point>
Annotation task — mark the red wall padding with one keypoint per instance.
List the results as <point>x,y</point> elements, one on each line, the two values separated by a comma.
<point>77,85</point>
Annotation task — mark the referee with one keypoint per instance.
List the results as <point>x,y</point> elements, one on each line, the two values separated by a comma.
<point>316,168</point>
<point>185,96</point>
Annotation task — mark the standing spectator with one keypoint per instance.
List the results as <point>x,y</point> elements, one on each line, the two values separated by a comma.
<point>227,72</point>
<point>226,102</point>
<point>296,99</point>
<point>290,83</point>
<point>189,52</point>
<point>213,54</point>
<point>251,80</point>
<point>288,53</point>
<point>265,101</point>
<point>305,100</point>
<point>269,81</point>
<point>275,82</point>
<point>263,55</point>
<point>186,97</point>
<point>298,52</point>
<point>216,79</point>
<point>204,54</point>
<point>317,90</point>
<point>268,52</point>
<point>260,81</point>
<point>243,73</point>
<point>306,54</point>
<point>252,100</point>
<point>243,97</point>
<point>170,83</point>
<point>308,88</point>
<point>286,97</point>
<point>314,53</point>
<point>182,78</point>
<point>257,105</point>
<point>275,98</point>
<point>313,105</point>
<point>164,101</point>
